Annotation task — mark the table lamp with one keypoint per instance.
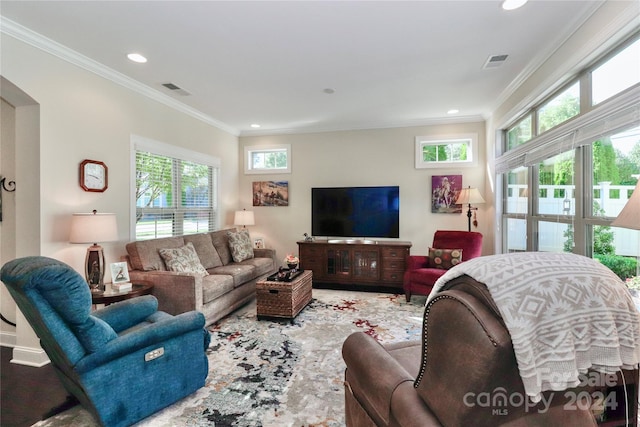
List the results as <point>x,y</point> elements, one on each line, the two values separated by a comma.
<point>629,217</point>
<point>469,196</point>
<point>93,228</point>
<point>244,218</point>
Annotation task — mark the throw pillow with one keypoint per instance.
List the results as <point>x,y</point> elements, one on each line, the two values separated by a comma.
<point>444,258</point>
<point>240,245</point>
<point>183,259</point>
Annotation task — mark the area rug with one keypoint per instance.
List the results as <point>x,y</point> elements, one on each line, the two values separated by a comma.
<point>282,372</point>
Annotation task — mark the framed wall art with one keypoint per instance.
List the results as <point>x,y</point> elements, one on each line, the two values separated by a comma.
<point>119,272</point>
<point>270,193</point>
<point>444,192</point>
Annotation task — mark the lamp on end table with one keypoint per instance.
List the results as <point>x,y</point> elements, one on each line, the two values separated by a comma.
<point>93,228</point>
<point>244,218</point>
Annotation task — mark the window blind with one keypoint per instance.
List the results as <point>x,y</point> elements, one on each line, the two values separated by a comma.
<point>619,113</point>
<point>173,195</point>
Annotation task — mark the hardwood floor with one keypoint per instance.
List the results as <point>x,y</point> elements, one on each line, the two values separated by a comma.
<point>29,394</point>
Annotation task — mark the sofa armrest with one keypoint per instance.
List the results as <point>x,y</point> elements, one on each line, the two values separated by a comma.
<point>266,253</point>
<point>415,262</point>
<point>153,334</point>
<point>409,410</point>
<point>373,374</point>
<point>176,292</point>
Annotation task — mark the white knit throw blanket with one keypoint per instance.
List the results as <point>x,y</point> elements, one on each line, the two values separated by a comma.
<point>565,313</point>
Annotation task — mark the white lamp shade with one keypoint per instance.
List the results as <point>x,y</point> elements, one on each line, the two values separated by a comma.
<point>469,196</point>
<point>93,228</point>
<point>244,217</point>
<point>629,217</point>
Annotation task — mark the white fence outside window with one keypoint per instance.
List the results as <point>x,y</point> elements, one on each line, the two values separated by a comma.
<point>559,200</point>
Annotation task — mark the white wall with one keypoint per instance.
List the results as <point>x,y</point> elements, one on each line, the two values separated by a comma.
<point>85,116</point>
<point>360,158</point>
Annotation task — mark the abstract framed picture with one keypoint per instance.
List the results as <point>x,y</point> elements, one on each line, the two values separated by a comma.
<point>270,193</point>
<point>444,192</point>
<point>119,272</point>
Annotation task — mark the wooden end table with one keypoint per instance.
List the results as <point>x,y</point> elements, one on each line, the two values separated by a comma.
<point>109,296</point>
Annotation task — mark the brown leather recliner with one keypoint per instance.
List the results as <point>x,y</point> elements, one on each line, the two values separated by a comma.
<point>462,373</point>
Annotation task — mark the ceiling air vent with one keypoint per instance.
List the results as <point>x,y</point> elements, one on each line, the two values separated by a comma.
<point>176,89</point>
<point>495,61</point>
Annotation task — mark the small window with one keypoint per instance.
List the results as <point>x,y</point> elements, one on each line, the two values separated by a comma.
<point>267,159</point>
<point>442,151</point>
<point>559,109</point>
<point>520,133</point>
<point>617,74</point>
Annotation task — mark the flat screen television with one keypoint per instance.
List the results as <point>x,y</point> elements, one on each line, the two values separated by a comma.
<point>355,212</point>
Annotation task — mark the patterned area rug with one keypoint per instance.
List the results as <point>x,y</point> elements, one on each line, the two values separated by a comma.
<point>279,372</point>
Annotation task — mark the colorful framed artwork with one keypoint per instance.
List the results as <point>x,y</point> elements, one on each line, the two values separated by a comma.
<point>270,193</point>
<point>444,192</point>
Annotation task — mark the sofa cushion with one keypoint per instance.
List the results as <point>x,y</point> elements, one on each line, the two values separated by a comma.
<point>240,245</point>
<point>262,265</point>
<point>221,243</point>
<point>203,245</point>
<point>444,258</point>
<point>425,276</point>
<point>241,273</point>
<point>144,255</point>
<point>183,260</point>
<point>214,286</point>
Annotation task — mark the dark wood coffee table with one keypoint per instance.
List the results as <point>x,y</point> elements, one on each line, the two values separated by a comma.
<point>109,297</point>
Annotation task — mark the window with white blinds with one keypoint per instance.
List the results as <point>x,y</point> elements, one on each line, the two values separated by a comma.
<point>566,173</point>
<point>175,191</point>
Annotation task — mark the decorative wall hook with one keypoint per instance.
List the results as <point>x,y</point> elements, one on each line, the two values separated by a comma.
<point>3,186</point>
<point>11,184</point>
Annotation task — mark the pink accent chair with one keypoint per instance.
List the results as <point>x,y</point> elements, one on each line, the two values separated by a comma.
<point>421,275</point>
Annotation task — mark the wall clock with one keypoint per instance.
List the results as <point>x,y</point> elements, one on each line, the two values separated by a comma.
<point>93,176</point>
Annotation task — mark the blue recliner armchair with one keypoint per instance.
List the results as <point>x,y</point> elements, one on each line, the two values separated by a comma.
<point>123,362</point>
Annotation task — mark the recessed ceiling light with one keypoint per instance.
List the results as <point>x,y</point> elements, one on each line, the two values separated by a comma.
<point>136,57</point>
<point>255,125</point>
<point>512,4</point>
<point>329,91</point>
<point>453,111</point>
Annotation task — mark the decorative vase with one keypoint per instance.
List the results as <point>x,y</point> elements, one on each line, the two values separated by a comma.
<point>292,266</point>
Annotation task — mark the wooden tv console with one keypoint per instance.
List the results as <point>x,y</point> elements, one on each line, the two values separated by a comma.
<point>372,263</point>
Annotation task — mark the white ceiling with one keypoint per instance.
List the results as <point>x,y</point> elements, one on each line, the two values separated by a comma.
<point>391,63</point>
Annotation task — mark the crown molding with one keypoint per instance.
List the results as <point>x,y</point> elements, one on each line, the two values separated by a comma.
<point>45,44</point>
<point>367,126</point>
<point>615,31</point>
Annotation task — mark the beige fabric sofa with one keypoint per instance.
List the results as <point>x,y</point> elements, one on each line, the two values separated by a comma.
<point>228,286</point>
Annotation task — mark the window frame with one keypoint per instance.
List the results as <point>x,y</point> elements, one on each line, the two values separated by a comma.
<point>429,140</point>
<point>178,155</point>
<point>250,150</point>
<point>578,133</point>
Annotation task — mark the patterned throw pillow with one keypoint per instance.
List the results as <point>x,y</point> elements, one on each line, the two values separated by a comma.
<point>240,245</point>
<point>444,258</point>
<point>184,260</point>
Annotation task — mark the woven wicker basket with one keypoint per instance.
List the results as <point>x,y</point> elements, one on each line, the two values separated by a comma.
<point>284,299</point>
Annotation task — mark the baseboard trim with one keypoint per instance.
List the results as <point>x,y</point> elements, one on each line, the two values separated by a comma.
<point>8,339</point>
<point>29,357</point>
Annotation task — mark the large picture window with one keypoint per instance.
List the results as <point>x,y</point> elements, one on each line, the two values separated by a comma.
<point>174,195</point>
<point>563,184</point>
